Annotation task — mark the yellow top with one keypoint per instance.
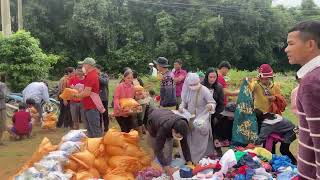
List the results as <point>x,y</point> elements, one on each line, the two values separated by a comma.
<point>260,99</point>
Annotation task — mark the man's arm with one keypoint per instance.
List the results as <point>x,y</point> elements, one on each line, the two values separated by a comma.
<point>310,102</point>
<point>45,93</point>
<point>85,93</point>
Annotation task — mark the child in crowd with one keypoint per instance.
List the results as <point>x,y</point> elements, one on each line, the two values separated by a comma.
<point>270,123</point>
<point>152,98</point>
<point>35,116</point>
<point>21,121</point>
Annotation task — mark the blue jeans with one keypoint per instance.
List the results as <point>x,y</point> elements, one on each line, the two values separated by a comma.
<point>93,123</point>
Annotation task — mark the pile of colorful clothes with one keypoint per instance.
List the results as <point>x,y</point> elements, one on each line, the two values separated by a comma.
<point>254,163</point>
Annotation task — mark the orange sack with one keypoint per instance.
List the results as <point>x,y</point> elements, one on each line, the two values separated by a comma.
<point>72,165</point>
<point>100,164</point>
<point>114,138</point>
<point>132,137</point>
<point>68,93</point>
<point>128,103</point>
<point>85,158</point>
<point>93,145</point>
<point>49,121</point>
<point>125,163</point>
<point>118,174</point>
<point>129,150</point>
<point>44,148</point>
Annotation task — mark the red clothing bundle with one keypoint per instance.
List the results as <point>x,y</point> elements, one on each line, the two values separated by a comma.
<point>279,105</point>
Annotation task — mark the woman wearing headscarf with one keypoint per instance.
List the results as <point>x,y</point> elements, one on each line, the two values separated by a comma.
<point>197,100</point>
<point>125,89</point>
<point>216,90</point>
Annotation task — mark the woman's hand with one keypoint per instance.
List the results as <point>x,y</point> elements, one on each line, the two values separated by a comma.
<point>209,107</point>
<point>271,98</point>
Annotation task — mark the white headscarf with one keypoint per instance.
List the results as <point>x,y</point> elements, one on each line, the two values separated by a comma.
<point>187,94</point>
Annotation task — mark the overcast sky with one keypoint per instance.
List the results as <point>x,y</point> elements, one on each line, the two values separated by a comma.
<point>292,3</point>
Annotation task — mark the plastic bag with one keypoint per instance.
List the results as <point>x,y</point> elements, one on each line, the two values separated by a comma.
<point>68,93</point>
<point>85,158</point>
<point>47,166</point>
<point>71,147</point>
<point>227,161</point>
<point>74,135</point>
<point>59,176</point>
<point>31,173</point>
<point>201,119</point>
<point>60,156</point>
<point>185,113</point>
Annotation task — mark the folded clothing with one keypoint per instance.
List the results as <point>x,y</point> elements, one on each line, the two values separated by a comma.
<point>200,168</point>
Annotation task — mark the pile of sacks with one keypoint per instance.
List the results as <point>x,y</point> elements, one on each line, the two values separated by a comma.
<point>49,160</point>
<point>115,156</point>
<point>256,163</point>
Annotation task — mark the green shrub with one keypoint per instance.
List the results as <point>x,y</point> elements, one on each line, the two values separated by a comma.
<point>23,60</point>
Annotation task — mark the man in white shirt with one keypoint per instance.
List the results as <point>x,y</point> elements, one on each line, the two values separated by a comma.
<point>153,71</point>
<point>38,91</point>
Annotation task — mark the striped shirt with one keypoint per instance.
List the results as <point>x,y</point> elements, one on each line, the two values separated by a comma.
<point>308,104</point>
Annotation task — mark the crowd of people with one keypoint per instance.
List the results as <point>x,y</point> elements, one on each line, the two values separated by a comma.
<point>203,96</point>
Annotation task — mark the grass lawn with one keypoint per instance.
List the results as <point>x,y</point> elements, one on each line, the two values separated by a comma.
<point>15,153</point>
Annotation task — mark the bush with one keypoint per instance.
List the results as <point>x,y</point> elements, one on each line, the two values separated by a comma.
<point>23,61</point>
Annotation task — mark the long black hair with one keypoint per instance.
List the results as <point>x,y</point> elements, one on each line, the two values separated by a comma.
<point>206,79</point>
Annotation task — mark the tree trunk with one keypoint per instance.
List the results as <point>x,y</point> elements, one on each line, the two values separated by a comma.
<point>6,17</point>
<point>20,17</point>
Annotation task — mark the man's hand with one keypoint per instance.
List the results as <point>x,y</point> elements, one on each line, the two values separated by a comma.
<point>209,107</point>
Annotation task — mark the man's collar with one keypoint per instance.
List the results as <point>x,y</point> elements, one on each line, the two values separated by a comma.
<point>310,66</point>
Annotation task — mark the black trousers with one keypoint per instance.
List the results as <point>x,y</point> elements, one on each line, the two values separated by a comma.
<point>105,117</point>
<point>285,150</point>
<point>65,117</point>
<point>127,123</point>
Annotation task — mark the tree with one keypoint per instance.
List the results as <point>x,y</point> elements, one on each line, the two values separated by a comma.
<point>23,61</point>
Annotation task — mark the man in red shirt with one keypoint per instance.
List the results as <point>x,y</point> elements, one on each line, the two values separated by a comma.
<point>223,70</point>
<point>179,77</point>
<point>76,108</point>
<point>21,122</point>
<point>91,85</point>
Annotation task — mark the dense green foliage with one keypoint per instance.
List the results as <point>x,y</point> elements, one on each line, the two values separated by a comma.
<point>121,33</point>
<point>23,60</point>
